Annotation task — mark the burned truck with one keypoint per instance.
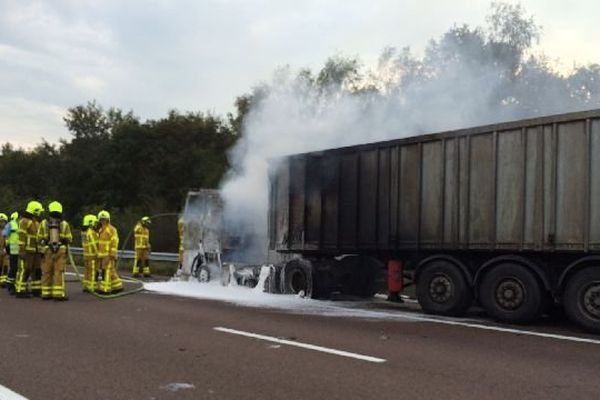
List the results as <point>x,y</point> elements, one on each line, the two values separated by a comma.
<point>506,216</point>
<point>214,249</point>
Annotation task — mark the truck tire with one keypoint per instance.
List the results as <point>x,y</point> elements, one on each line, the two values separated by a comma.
<point>582,299</point>
<point>443,290</point>
<point>296,277</point>
<point>511,293</point>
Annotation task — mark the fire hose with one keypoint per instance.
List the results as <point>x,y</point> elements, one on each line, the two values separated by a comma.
<point>106,296</point>
<point>130,279</point>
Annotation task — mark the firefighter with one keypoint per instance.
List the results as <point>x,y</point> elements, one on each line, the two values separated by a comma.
<point>108,244</point>
<point>89,243</point>
<point>180,229</point>
<point>54,237</point>
<point>142,247</point>
<point>11,232</point>
<point>28,250</point>
<point>3,251</point>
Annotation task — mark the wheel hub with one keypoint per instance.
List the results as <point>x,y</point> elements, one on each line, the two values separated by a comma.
<point>203,275</point>
<point>440,289</point>
<point>591,300</point>
<point>510,294</point>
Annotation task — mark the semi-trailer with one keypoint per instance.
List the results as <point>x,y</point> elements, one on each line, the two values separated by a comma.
<point>506,216</point>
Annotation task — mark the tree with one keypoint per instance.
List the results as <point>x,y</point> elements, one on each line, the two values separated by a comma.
<point>87,121</point>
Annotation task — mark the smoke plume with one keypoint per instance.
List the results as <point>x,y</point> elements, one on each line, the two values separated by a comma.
<point>468,77</point>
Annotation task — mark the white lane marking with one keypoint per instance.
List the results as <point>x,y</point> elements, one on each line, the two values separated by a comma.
<point>301,345</point>
<point>7,394</point>
<point>505,330</point>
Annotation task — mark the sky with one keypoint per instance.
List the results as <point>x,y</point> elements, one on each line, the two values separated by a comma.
<point>156,55</point>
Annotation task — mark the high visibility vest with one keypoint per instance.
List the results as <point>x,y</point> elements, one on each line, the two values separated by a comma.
<point>13,237</point>
<point>180,228</point>
<point>108,241</point>
<point>89,242</point>
<point>28,234</point>
<point>45,239</point>
<point>142,236</point>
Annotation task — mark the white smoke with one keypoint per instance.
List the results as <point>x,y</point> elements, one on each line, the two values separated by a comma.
<point>465,79</point>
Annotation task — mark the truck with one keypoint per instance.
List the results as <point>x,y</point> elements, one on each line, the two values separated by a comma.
<point>505,216</point>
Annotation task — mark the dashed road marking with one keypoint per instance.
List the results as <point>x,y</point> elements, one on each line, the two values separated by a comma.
<point>7,394</point>
<point>307,346</point>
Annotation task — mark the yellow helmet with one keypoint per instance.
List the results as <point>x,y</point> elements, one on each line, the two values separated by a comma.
<point>3,217</point>
<point>14,216</point>
<point>55,207</point>
<point>89,220</point>
<point>146,220</point>
<point>34,208</point>
<point>104,215</point>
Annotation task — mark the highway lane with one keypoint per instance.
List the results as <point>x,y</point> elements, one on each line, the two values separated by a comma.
<point>150,346</point>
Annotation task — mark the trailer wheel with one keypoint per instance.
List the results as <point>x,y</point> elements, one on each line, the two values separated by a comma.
<point>296,277</point>
<point>442,289</point>
<point>511,293</point>
<point>582,299</point>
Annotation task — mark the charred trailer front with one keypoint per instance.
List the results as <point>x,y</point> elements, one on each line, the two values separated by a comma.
<point>506,215</point>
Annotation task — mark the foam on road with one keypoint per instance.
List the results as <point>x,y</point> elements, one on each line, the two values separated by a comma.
<point>293,304</point>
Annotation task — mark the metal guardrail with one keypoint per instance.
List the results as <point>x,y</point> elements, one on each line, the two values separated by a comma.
<point>130,255</point>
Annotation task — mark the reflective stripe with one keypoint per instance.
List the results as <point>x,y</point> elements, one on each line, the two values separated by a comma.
<point>92,282</point>
<point>20,286</point>
<point>108,241</point>
<point>106,280</point>
<point>28,235</point>
<point>142,236</point>
<point>90,243</point>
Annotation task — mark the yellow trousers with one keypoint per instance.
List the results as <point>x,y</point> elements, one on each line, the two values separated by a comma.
<point>3,269</point>
<point>53,274</point>
<point>142,261</point>
<point>110,279</point>
<point>89,277</point>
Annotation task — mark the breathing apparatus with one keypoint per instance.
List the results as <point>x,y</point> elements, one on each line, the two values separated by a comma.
<point>55,212</point>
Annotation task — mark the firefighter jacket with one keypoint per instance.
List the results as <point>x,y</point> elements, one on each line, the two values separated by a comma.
<point>108,241</point>
<point>28,228</point>
<point>54,235</point>
<point>142,236</point>
<point>180,228</point>
<point>89,242</point>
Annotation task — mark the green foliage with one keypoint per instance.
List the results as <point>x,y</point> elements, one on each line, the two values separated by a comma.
<point>116,162</point>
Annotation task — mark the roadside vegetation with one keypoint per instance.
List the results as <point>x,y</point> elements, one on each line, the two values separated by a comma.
<point>112,159</point>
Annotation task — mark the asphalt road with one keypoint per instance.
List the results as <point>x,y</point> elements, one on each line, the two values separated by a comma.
<point>148,346</point>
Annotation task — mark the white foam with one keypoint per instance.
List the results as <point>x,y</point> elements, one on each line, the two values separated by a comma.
<point>356,309</point>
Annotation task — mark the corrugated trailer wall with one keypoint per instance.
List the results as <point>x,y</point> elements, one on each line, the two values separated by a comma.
<point>525,185</point>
